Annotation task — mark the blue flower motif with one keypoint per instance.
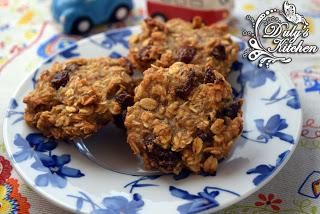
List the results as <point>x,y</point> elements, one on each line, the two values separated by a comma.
<point>55,170</point>
<point>49,60</point>
<point>119,205</point>
<point>265,171</point>
<point>202,201</point>
<point>40,143</point>
<point>291,95</point>
<point>110,205</point>
<point>32,146</point>
<point>112,38</point>
<point>34,77</point>
<point>237,68</point>
<point>272,129</point>
<point>13,104</point>
<point>11,111</point>
<point>256,77</point>
<point>54,167</point>
<point>25,152</point>
<point>115,55</point>
<point>115,37</point>
<point>70,52</point>
<point>137,183</point>
<point>294,102</point>
<point>183,174</point>
<point>249,73</point>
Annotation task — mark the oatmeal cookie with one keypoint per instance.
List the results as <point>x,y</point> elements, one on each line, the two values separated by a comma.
<point>75,98</point>
<point>184,116</point>
<point>162,44</point>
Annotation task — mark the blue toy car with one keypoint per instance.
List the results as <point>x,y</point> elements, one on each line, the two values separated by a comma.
<point>79,16</point>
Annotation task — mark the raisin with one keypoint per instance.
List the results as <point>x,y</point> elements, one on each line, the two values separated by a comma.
<point>124,100</point>
<point>219,52</point>
<point>119,119</point>
<point>60,79</point>
<point>164,158</point>
<point>209,76</point>
<point>230,111</point>
<point>144,53</point>
<point>185,54</point>
<point>42,107</point>
<point>205,136</point>
<point>149,140</point>
<point>184,91</point>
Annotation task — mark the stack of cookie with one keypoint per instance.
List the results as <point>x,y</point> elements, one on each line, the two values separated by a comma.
<point>181,115</point>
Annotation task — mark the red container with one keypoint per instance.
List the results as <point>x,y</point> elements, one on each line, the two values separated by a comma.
<point>209,10</point>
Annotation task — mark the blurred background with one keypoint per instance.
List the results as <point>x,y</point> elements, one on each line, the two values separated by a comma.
<point>41,25</point>
<point>33,30</point>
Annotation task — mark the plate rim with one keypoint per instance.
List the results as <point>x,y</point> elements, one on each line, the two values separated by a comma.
<point>71,208</point>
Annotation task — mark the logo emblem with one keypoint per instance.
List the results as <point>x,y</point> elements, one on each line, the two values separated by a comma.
<point>276,34</point>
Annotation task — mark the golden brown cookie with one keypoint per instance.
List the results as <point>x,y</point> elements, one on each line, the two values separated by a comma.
<point>162,44</point>
<point>184,116</point>
<point>75,98</point>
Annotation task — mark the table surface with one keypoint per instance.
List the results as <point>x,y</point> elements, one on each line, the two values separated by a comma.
<point>27,37</point>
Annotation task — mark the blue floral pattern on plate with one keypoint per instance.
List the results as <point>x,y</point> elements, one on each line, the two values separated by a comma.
<point>137,183</point>
<point>113,38</point>
<point>249,74</point>
<point>272,128</point>
<point>202,201</point>
<point>13,112</point>
<point>255,77</point>
<point>116,37</point>
<point>54,167</point>
<point>291,96</point>
<point>51,167</point>
<point>265,170</point>
<point>110,205</point>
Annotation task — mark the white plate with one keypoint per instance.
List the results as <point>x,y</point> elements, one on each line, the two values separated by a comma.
<point>272,123</point>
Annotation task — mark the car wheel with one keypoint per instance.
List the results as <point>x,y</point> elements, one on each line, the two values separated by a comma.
<point>121,13</point>
<point>159,16</point>
<point>82,26</point>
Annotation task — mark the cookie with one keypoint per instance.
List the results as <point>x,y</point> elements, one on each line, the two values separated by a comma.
<point>162,44</point>
<point>75,98</point>
<point>184,117</point>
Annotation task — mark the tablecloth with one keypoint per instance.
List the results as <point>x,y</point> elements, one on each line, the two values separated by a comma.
<point>28,36</point>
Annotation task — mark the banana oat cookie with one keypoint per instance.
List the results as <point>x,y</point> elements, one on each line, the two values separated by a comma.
<point>162,44</point>
<point>75,98</point>
<point>184,116</point>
